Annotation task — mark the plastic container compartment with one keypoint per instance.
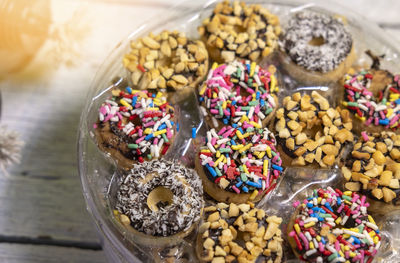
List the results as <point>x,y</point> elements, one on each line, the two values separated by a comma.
<point>97,171</point>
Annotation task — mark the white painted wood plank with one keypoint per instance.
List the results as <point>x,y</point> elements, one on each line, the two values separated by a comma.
<point>15,253</point>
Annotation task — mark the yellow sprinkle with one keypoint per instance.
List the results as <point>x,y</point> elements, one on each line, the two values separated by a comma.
<point>215,95</point>
<point>338,220</point>
<point>341,254</point>
<point>239,134</point>
<point>273,83</point>
<point>297,228</point>
<point>395,124</point>
<point>360,77</point>
<point>360,118</point>
<point>243,119</point>
<point>346,248</point>
<point>347,261</point>
<point>376,239</point>
<point>253,195</point>
<point>344,103</point>
<point>159,95</point>
<point>218,154</point>
<point>214,66</point>
<point>224,105</point>
<point>348,193</point>
<point>237,147</point>
<point>246,135</point>
<point>203,89</point>
<point>352,254</point>
<point>252,68</point>
<point>245,169</point>
<point>205,151</point>
<point>260,155</point>
<point>148,131</point>
<point>218,161</point>
<point>371,220</point>
<point>269,154</point>
<point>346,236</point>
<point>319,199</point>
<point>115,212</point>
<point>389,112</point>
<point>255,124</point>
<point>265,167</point>
<point>126,104</point>
<point>318,238</point>
<point>372,234</point>
<point>159,132</point>
<point>310,224</point>
<point>311,245</point>
<point>245,148</point>
<point>154,109</point>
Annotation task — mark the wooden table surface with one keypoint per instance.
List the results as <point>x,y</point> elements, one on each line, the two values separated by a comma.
<point>43,216</point>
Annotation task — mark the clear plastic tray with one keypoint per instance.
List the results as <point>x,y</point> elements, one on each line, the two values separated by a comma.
<point>98,172</point>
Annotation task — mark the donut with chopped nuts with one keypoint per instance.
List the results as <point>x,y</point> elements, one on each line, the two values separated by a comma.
<point>238,164</point>
<point>333,226</point>
<point>167,60</point>
<point>374,167</point>
<point>239,92</point>
<point>311,132</point>
<point>317,48</point>
<point>160,201</point>
<point>135,126</point>
<point>373,96</point>
<point>237,30</point>
<point>239,233</point>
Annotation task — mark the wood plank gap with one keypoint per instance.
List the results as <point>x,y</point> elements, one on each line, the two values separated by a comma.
<point>48,241</point>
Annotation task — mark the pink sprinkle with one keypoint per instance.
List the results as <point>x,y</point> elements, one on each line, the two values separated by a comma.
<point>235,189</point>
<point>276,174</point>
<point>211,163</point>
<point>140,139</point>
<point>376,121</point>
<point>366,204</point>
<point>351,93</point>
<point>340,208</point>
<point>321,247</point>
<point>103,110</point>
<point>155,142</point>
<point>119,115</point>
<point>95,126</point>
<point>365,136</point>
<point>275,158</point>
<point>395,118</point>
<point>296,204</point>
<point>149,124</point>
<point>337,245</point>
<point>363,200</point>
<point>305,241</point>
<point>382,115</point>
<point>109,116</point>
<point>222,130</point>
<point>213,141</point>
<point>358,221</point>
<point>368,122</point>
<point>140,132</point>
<point>227,113</point>
<point>367,93</point>
<point>257,109</point>
<point>214,111</point>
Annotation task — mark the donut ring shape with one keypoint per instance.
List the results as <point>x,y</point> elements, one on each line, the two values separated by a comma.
<point>300,118</point>
<point>238,30</point>
<point>374,166</point>
<point>167,60</point>
<point>374,98</point>
<point>176,217</point>
<point>219,236</point>
<point>304,27</point>
<point>237,89</point>
<point>329,220</point>
<point>126,128</point>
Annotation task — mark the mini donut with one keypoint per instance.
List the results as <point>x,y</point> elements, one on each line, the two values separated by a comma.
<point>160,199</point>
<point>374,98</point>
<point>239,233</point>
<point>374,166</point>
<point>310,131</point>
<point>236,30</point>
<point>167,60</point>
<point>135,126</point>
<point>318,48</point>
<point>333,226</point>
<point>239,92</point>
<point>238,164</point>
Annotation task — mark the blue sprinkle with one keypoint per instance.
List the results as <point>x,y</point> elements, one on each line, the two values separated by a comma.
<point>153,95</point>
<point>201,99</point>
<point>225,121</point>
<point>234,125</point>
<point>253,184</point>
<point>148,137</point>
<point>194,133</point>
<point>211,170</point>
<point>377,231</point>
<point>262,102</point>
<point>327,205</point>
<point>233,102</point>
<point>248,67</point>
<point>233,142</point>
<point>239,184</point>
<point>276,167</point>
<point>245,189</point>
<point>172,123</point>
<point>323,240</point>
<point>356,240</point>
<point>129,90</point>
<point>397,101</point>
<point>162,127</point>
<point>134,100</point>
<point>177,126</point>
<point>339,201</point>
<point>258,95</point>
<point>309,205</point>
<point>240,129</point>
<point>384,122</point>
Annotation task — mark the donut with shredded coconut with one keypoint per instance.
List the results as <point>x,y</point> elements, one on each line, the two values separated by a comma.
<point>318,47</point>
<point>135,126</point>
<point>333,226</point>
<point>154,215</point>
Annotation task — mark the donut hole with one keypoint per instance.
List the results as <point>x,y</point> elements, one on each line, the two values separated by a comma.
<point>316,41</point>
<point>159,197</point>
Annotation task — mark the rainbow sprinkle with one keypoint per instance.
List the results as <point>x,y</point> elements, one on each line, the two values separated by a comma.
<point>381,111</point>
<point>242,159</point>
<point>334,226</point>
<point>238,90</point>
<point>144,118</point>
